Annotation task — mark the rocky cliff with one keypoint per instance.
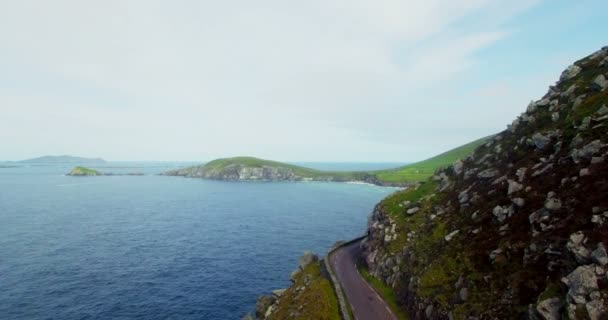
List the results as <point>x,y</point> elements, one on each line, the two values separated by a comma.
<point>518,229</point>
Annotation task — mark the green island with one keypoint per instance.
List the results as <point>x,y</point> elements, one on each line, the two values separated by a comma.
<point>83,171</point>
<point>255,169</point>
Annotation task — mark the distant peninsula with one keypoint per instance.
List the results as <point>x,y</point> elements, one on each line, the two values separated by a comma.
<point>65,159</point>
<point>255,169</point>
<point>80,171</point>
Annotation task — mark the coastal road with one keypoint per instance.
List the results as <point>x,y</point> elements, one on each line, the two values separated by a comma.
<point>365,302</point>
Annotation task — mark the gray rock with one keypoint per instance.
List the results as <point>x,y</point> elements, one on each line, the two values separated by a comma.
<point>495,253</point>
<point>295,274</point>
<point>428,311</point>
<point>463,197</point>
<point>540,141</point>
<point>584,172</point>
<point>570,72</point>
<point>451,235</point>
<point>578,101</point>
<point>599,255</point>
<point>531,107</point>
<point>553,204</point>
<point>520,202</point>
<point>488,173</point>
<point>521,173</point>
<point>278,292</point>
<point>307,259</point>
<point>469,173</point>
<point>464,294</point>
<point>596,310</point>
<point>585,123</point>
<point>555,116</point>
<point>457,167</point>
<point>601,82</point>
<point>576,141</point>
<point>514,187</point>
<point>576,246</point>
<point>603,110</point>
<point>549,309</point>
<point>569,91</point>
<point>413,210</point>
<point>262,305</point>
<point>596,160</point>
<point>543,102</point>
<point>500,213</point>
<point>581,282</point>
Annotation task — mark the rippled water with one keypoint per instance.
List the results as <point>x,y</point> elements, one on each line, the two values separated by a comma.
<point>153,247</point>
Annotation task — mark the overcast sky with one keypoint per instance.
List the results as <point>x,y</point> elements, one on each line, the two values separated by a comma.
<point>316,80</point>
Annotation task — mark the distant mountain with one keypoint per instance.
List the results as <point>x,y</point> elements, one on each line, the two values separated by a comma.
<point>64,159</point>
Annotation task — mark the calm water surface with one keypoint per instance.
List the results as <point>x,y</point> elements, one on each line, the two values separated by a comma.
<point>153,247</point>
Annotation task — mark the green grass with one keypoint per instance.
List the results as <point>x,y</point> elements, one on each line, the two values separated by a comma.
<point>385,292</point>
<point>422,170</point>
<point>316,301</point>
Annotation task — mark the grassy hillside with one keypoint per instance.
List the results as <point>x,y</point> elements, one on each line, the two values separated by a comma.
<point>422,170</point>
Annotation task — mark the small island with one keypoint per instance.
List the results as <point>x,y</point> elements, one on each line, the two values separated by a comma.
<point>80,171</point>
<point>84,172</point>
<point>64,159</point>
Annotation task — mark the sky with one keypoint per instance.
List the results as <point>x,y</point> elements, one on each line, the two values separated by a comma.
<point>316,80</point>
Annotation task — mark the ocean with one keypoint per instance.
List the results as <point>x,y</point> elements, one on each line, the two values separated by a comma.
<point>156,247</point>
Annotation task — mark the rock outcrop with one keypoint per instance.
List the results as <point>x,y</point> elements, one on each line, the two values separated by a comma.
<point>517,230</point>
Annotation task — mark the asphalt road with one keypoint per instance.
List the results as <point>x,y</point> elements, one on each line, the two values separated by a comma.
<point>365,302</point>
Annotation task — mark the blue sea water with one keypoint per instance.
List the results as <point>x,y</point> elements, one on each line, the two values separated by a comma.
<point>155,247</point>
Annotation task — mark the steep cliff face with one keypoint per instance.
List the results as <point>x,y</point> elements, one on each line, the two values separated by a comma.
<point>517,230</point>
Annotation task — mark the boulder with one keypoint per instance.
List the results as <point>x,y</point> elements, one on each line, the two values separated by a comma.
<point>514,187</point>
<point>570,72</point>
<point>521,173</point>
<point>520,202</point>
<point>278,293</point>
<point>581,282</point>
<point>451,235</point>
<point>603,110</point>
<point>576,246</point>
<point>463,197</point>
<point>549,309</point>
<point>596,310</point>
<point>488,173</point>
<point>457,167</point>
<point>262,305</point>
<point>601,82</point>
<point>413,210</point>
<point>599,255</point>
<point>540,141</point>
<point>500,213</point>
<point>553,204</point>
<point>307,259</point>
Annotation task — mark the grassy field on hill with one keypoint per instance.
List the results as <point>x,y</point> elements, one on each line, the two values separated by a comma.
<point>420,171</point>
